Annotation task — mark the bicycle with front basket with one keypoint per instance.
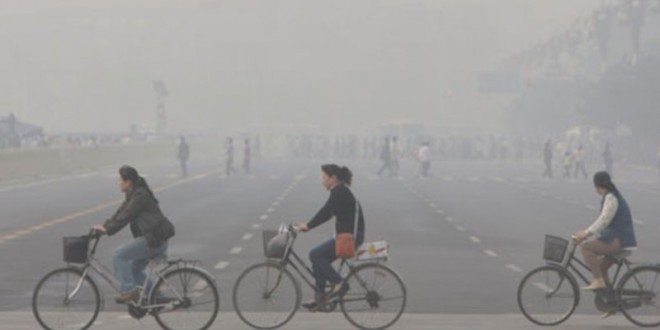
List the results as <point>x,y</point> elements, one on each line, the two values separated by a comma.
<point>548,295</point>
<point>267,295</point>
<point>183,295</point>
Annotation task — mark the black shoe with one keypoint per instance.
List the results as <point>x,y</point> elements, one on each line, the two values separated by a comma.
<point>311,305</point>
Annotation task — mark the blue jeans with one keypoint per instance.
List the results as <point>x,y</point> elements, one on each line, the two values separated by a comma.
<point>322,258</point>
<point>131,259</point>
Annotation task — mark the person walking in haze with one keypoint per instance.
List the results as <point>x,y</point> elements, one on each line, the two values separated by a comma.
<point>547,159</point>
<point>229,154</point>
<point>580,163</point>
<point>247,155</point>
<point>395,155</point>
<point>386,157</point>
<point>183,155</point>
<point>568,164</point>
<point>608,158</point>
<point>343,206</point>
<point>424,158</point>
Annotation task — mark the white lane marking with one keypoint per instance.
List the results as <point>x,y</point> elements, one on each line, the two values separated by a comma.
<point>514,268</point>
<point>490,253</point>
<point>449,219</point>
<point>498,179</point>
<point>638,222</point>
<point>246,237</point>
<point>221,265</point>
<point>591,207</point>
<point>523,179</point>
<point>542,286</point>
<point>460,228</point>
<point>263,217</point>
<point>236,250</point>
<point>200,285</point>
<point>475,239</point>
<point>256,226</point>
<point>276,204</point>
<point>270,210</point>
<point>441,212</point>
<point>122,317</point>
<point>433,205</point>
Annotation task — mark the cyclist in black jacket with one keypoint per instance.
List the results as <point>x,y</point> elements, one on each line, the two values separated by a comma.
<point>342,205</point>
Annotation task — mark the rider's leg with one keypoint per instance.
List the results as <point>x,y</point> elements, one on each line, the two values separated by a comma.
<point>605,265</point>
<point>125,254</point>
<point>591,251</point>
<point>322,257</point>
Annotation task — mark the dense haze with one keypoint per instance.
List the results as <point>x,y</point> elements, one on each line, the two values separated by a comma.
<point>88,66</point>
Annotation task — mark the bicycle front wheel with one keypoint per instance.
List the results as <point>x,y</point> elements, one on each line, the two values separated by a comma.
<point>638,291</point>
<point>266,296</point>
<point>189,298</point>
<point>376,297</point>
<point>64,299</point>
<point>548,295</point>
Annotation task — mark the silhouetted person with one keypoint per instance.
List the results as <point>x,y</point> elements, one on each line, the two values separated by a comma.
<point>386,157</point>
<point>580,163</point>
<point>568,164</point>
<point>424,158</point>
<point>547,159</point>
<point>247,155</point>
<point>229,156</point>
<point>183,155</point>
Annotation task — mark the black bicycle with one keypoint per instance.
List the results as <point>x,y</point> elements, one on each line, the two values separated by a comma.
<point>183,296</point>
<point>267,295</point>
<point>548,295</point>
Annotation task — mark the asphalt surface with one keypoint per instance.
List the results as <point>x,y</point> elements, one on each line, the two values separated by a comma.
<point>461,240</point>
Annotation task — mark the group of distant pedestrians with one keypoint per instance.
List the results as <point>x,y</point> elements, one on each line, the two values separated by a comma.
<point>574,163</point>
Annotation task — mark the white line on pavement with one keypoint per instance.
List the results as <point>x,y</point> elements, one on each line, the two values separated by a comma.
<point>490,253</point>
<point>638,222</point>
<point>256,226</point>
<point>433,205</point>
<point>441,212</point>
<point>460,228</point>
<point>270,210</point>
<point>263,217</point>
<point>449,219</point>
<point>246,237</point>
<point>200,285</point>
<point>221,265</point>
<point>542,286</point>
<point>514,268</point>
<point>276,203</point>
<point>475,239</point>
<point>236,250</point>
<point>591,207</point>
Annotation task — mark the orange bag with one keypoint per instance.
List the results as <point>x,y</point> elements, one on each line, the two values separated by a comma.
<point>345,242</point>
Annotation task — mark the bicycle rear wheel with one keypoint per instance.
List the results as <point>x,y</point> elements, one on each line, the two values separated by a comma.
<point>266,296</point>
<point>638,291</point>
<point>64,299</point>
<point>548,295</point>
<point>376,297</point>
<point>190,297</point>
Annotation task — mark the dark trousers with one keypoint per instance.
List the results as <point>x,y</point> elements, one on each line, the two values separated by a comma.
<point>184,167</point>
<point>322,258</point>
<point>387,165</point>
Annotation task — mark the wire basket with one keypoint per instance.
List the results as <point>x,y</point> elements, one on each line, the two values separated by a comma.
<point>76,249</point>
<point>554,248</point>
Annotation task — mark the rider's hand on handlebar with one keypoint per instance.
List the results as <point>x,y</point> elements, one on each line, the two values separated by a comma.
<point>580,236</point>
<point>99,229</point>
<point>301,227</point>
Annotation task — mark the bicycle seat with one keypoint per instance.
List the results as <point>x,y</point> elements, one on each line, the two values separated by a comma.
<point>622,254</point>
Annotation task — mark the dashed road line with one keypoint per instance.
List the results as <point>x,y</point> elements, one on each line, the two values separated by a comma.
<point>221,265</point>
<point>440,211</point>
<point>449,219</point>
<point>263,217</point>
<point>514,268</point>
<point>247,237</point>
<point>491,253</point>
<point>475,239</point>
<point>460,228</point>
<point>256,226</point>
<point>270,210</point>
<point>236,250</point>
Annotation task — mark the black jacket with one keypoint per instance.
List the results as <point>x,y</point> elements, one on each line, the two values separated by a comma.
<point>340,205</point>
<point>141,211</point>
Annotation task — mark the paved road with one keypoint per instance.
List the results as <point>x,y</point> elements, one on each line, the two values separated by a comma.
<point>462,240</point>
